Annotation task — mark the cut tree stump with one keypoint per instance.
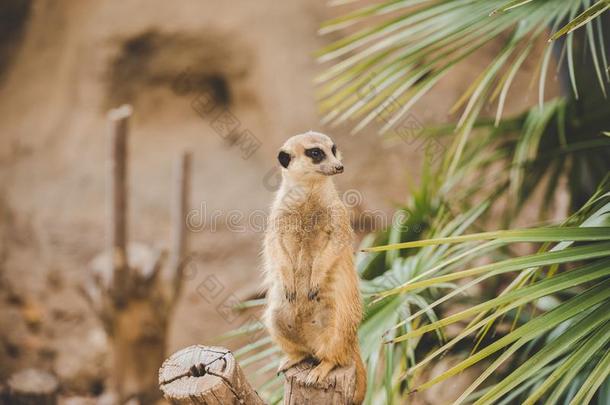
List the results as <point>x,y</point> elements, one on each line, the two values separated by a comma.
<point>210,375</point>
<point>131,287</point>
<point>205,375</point>
<point>32,387</point>
<point>337,389</point>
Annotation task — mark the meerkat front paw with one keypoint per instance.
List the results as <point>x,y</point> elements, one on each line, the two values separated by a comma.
<point>288,362</point>
<point>290,294</point>
<point>318,373</point>
<point>313,292</point>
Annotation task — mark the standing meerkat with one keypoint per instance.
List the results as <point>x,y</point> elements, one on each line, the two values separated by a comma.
<point>313,300</point>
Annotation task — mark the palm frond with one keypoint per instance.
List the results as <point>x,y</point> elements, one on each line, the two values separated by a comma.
<point>584,319</point>
<point>381,70</point>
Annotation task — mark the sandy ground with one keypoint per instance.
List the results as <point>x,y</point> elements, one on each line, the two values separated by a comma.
<point>78,58</point>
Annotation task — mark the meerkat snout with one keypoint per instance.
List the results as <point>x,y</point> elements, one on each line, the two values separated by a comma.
<point>310,155</point>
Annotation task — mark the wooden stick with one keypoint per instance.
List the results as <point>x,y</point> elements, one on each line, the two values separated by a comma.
<point>179,231</point>
<point>31,386</point>
<point>205,375</point>
<point>117,176</point>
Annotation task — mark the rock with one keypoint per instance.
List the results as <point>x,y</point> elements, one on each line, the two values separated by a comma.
<point>84,366</point>
<point>78,401</point>
<point>33,387</point>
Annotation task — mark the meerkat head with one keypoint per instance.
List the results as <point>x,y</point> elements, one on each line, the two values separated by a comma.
<point>310,156</point>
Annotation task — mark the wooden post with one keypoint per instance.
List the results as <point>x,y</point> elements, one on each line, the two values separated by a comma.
<point>210,375</point>
<point>131,288</point>
<point>205,375</point>
<point>338,388</point>
<point>32,387</point>
<point>118,120</point>
<point>179,231</point>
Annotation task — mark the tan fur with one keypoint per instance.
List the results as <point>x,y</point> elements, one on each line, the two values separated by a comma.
<point>314,305</point>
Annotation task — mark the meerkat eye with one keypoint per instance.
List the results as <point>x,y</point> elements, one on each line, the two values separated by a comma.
<point>316,154</point>
<point>334,150</point>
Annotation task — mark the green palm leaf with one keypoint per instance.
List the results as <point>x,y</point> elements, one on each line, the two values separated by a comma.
<point>582,19</point>
<point>571,366</point>
<point>509,236</point>
<point>592,383</point>
<point>538,326</point>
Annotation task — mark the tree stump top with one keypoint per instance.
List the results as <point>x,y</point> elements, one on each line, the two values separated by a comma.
<point>205,373</point>
<point>120,113</point>
<point>193,370</point>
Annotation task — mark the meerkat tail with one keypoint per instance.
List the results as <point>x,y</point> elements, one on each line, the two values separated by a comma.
<point>360,377</point>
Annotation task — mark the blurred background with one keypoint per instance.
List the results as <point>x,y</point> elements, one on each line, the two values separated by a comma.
<point>65,64</point>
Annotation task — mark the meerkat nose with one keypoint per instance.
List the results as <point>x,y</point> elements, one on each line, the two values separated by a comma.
<point>339,168</point>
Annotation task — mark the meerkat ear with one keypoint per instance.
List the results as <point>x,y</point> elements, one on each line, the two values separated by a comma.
<point>284,159</point>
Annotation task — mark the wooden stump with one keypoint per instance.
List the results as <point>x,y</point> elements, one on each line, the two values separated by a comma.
<point>32,387</point>
<point>205,375</point>
<point>136,325</point>
<point>337,389</point>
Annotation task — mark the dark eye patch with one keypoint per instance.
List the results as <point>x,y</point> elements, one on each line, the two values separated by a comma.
<point>334,150</point>
<point>316,154</point>
<point>284,158</point>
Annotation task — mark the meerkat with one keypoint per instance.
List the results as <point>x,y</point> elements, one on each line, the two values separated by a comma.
<point>313,300</point>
